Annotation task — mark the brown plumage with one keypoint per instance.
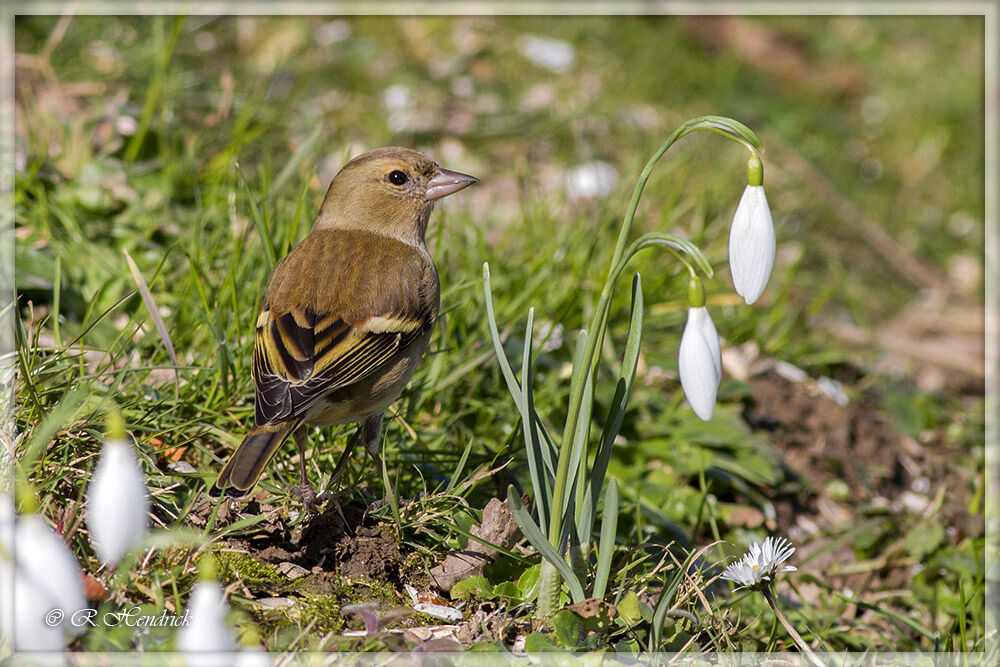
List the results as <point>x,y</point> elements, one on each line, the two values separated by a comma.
<point>347,313</point>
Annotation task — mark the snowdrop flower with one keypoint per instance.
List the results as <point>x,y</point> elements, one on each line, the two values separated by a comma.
<point>206,629</point>
<point>41,584</point>
<point>117,499</point>
<point>594,179</point>
<point>699,358</point>
<point>553,54</point>
<point>760,563</point>
<point>751,237</point>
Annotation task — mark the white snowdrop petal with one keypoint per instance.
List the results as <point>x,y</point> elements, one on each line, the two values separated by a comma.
<point>46,576</point>
<point>117,502</point>
<point>751,244</point>
<point>711,336</point>
<point>206,629</point>
<point>698,362</point>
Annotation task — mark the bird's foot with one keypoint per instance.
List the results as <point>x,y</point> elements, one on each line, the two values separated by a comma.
<point>305,493</point>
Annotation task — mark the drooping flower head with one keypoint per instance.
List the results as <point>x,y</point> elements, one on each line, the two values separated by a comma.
<point>38,574</point>
<point>699,358</point>
<point>117,498</point>
<point>207,632</point>
<point>751,237</point>
<point>760,563</point>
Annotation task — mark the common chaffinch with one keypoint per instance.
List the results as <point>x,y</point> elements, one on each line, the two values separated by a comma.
<point>347,313</point>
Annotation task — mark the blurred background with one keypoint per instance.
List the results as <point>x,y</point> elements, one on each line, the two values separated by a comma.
<point>851,411</point>
<point>874,149</point>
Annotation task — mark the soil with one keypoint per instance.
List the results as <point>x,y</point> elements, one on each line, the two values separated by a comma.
<point>853,463</point>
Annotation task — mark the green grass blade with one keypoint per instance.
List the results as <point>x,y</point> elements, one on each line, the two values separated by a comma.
<point>56,299</point>
<point>582,373</point>
<point>154,311</point>
<point>667,597</point>
<point>505,369</point>
<point>576,485</point>
<point>619,403</point>
<point>392,499</point>
<point>606,547</point>
<point>258,220</point>
<point>304,151</point>
<point>456,476</point>
<point>534,535</point>
<point>153,94</point>
<point>56,418</point>
<point>528,425</point>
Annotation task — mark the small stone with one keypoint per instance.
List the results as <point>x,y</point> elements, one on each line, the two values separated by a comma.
<point>292,571</point>
<point>182,468</point>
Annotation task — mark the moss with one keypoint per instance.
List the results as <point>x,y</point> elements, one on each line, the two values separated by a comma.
<point>323,611</point>
<point>368,590</point>
<point>256,575</point>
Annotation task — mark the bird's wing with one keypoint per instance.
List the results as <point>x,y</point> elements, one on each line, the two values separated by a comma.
<point>320,344</point>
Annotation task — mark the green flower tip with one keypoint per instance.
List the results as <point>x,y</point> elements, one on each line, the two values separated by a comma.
<point>755,170</point>
<point>24,493</point>
<point>206,568</point>
<point>696,292</point>
<point>114,427</point>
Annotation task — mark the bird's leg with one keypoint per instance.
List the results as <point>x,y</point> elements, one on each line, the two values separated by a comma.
<point>303,491</point>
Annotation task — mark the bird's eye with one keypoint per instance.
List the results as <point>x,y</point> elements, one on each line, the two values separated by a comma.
<point>397,177</point>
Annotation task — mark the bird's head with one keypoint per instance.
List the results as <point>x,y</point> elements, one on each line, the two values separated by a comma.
<point>389,191</point>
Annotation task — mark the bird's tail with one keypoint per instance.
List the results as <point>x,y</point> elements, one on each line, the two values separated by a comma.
<point>247,463</point>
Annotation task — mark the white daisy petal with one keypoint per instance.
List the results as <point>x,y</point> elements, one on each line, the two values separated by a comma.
<point>760,563</point>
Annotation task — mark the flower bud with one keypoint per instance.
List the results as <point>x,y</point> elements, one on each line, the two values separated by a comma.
<point>117,500</point>
<point>207,630</point>
<point>751,237</point>
<point>699,362</point>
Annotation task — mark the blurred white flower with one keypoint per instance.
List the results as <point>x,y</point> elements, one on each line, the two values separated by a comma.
<point>591,179</point>
<point>332,32</point>
<point>552,54</point>
<point>699,362</point>
<point>117,502</point>
<point>206,630</point>
<point>40,583</point>
<point>751,244</point>
<point>760,563</point>
<point>398,101</point>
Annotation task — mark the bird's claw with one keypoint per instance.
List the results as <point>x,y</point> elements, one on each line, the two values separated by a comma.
<point>305,494</point>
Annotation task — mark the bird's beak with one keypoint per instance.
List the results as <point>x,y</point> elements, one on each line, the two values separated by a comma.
<point>447,182</point>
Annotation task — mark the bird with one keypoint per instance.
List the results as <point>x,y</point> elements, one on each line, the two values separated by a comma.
<point>346,315</point>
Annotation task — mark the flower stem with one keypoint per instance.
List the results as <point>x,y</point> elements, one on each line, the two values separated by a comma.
<point>728,128</point>
<point>796,637</point>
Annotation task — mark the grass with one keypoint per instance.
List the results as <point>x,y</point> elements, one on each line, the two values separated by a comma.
<point>201,147</point>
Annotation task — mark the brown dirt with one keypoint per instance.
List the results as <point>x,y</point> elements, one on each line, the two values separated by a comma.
<point>822,443</point>
<point>823,440</point>
<point>324,544</point>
